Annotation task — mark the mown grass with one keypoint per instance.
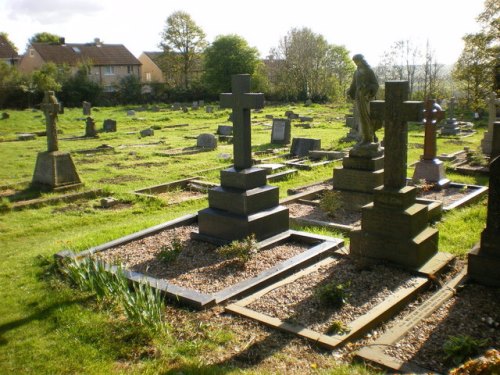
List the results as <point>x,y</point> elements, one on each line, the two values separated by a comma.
<point>47,327</point>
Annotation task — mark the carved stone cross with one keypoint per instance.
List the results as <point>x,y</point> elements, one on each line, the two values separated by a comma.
<point>50,107</point>
<point>241,101</point>
<point>432,115</point>
<point>396,111</point>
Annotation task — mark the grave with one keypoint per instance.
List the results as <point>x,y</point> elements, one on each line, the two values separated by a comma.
<point>109,125</point>
<point>281,131</point>
<point>209,109</point>
<point>225,133</point>
<point>493,103</point>
<point>130,112</point>
<point>484,258</point>
<point>86,108</point>
<point>26,136</point>
<point>394,227</point>
<point>54,169</point>
<point>149,132</point>
<point>352,122</point>
<point>450,126</point>
<point>206,141</point>
<point>5,116</point>
<point>90,131</point>
<point>430,168</point>
<point>244,203</point>
<point>301,146</point>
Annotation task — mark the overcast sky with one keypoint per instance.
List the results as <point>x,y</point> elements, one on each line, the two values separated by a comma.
<point>369,27</point>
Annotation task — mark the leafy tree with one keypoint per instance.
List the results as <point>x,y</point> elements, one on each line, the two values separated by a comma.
<point>129,90</point>
<point>44,37</point>
<point>228,55</point>
<point>6,37</point>
<point>9,82</point>
<point>49,77</point>
<point>183,41</point>
<point>80,87</point>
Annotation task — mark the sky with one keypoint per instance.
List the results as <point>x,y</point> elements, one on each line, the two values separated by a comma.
<point>369,27</point>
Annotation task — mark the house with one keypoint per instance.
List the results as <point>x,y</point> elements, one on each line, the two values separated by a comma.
<point>7,52</point>
<point>109,62</point>
<point>150,71</point>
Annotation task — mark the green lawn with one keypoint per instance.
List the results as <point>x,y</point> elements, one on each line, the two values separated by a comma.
<point>47,327</point>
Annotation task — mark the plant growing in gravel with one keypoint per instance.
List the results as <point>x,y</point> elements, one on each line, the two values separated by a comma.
<point>240,250</point>
<point>169,254</point>
<point>333,294</point>
<point>331,202</point>
<point>477,158</point>
<point>459,348</point>
<point>337,327</point>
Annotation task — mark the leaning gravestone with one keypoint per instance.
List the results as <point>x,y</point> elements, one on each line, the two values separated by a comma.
<point>484,258</point>
<point>394,228</point>
<point>281,131</point>
<point>86,108</point>
<point>207,141</point>
<point>244,204</point>
<point>301,146</point>
<point>54,169</point>
<point>109,125</point>
<point>430,168</point>
<point>90,130</point>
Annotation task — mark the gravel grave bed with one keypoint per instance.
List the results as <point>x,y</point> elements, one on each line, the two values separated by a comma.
<point>342,216</point>
<point>447,195</point>
<point>198,266</point>
<point>296,302</point>
<point>173,197</point>
<point>474,311</point>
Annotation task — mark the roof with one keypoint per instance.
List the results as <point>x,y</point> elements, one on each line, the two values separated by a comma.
<point>99,54</point>
<point>6,50</point>
<point>154,56</point>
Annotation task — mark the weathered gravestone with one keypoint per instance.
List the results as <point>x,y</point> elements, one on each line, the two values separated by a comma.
<point>147,132</point>
<point>130,112</point>
<point>394,228</point>
<point>484,258</point>
<point>301,146</point>
<point>109,125</point>
<point>244,204</point>
<point>450,126</point>
<point>430,168</point>
<point>225,130</point>
<point>281,131</point>
<point>207,141</point>
<point>90,130</point>
<point>86,108</point>
<point>209,109</point>
<point>54,168</point>
<point>486,142</point>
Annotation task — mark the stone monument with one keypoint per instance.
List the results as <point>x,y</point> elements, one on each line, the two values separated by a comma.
<point>393,227</point>
<point>244,204</point>
<point>493,102</point>
<point>484,258</point>
<point>430,168</point>
<point>281,131</point>
<point>90,131</point>
<point>450,126</point>
<point>54,169</point>
<point>87,108</point>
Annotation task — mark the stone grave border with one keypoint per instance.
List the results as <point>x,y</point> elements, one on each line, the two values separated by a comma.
<point>322,247</point>
<point>374,352</point>
<point>182,184</point>
<point>183,151</point>
<point>359,326</point>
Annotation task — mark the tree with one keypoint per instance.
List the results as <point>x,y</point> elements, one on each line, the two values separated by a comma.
<point>129,90</point>
<point>9,82</point>
<point>6,37</point>
<point>49,77</point>
<point>228,55</point>
<point>44,37</point>
<point>80,87</point>
<point>182,41</point>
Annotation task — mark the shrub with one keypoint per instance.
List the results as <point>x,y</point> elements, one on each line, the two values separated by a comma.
<point>459,348</point>
<point>333,294</point>
<point>337,327</point>
<point>331,202</point>
<point>169,254</point>
<point>242,250</point>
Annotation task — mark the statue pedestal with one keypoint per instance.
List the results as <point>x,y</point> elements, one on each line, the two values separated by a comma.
<point>432,171</point>
<point>55,170</point>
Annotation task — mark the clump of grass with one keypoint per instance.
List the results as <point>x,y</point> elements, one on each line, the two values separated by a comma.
<point>169,254</point>
<point>337,327</point>
<point>333,294</point>
<point>459,348</point>
<point>141,303</point>
<point>331,202</point>
<point>5,204</point>
<point>242,251</point>
<point>476,158</point>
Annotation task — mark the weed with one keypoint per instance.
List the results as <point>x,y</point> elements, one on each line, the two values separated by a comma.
<point>240,250</point>
<point>169,254</point>
<point>337,327</point>
<point>331,202</point>
<point>459,348</point>
<point>476,158</point>
<point>5,204</point>
<point>333,294</point>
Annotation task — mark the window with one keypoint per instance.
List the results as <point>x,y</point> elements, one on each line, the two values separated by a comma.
<point>148,77</point>
<point>109,70</point>
<point>130,69</point>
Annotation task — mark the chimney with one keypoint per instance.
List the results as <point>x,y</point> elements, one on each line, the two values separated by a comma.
<point>62,41</point>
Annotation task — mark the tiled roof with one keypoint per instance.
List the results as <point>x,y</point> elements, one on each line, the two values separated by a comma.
<point>99,54</point>
<point>6,50</point>
<point>154,56</point>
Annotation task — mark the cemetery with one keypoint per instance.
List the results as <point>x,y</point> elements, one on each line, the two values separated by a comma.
<point>271,242</point>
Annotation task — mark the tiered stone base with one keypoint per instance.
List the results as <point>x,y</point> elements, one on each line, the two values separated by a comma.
<point>484,260</point>
<point>55,169</point>
<point>242,205</point>
<point>394,228</point>
<point>431,171</point>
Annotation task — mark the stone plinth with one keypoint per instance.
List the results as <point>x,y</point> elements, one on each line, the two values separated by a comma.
<point>54,170</point>
<point>395,229</point>
<point>243,205</point>
<point>432,171</point>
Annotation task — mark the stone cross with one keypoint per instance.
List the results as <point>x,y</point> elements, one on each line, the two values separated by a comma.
<point>396,111</point>
<point>50,107</point>
<point>241,101</point>
<point>432,115</point>
<point>451,108</point>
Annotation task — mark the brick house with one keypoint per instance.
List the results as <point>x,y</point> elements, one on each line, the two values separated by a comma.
<point>7,53</point>
<point>109,62</point>
<point>150,70</point>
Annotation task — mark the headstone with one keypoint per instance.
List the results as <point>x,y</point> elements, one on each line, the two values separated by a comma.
<point>53,169</point>
<point>430,168</point>
<point>225,130</point>
<point>185,109</point>
<point>109,125</point>
<point>281,131</point>
<point>201,103</point>
<point>90,130</point>
<point>147,132</point>
<point>269,117</point>
<point>301,146</point>
<point>206,141</point>
<point>244,204</point>
<point>484,258</point>
<point>394,227</point>
<point>209,109</point>
<point>305,119</point>
<point>130,112</point>
<point>451,127</point>
<point>176,106</point>
<point>5,116</point>
<point>26,136</point>
<point>493,104</point>
<point>195,105</point>
<point>87,108</point>
<point>308,103</point>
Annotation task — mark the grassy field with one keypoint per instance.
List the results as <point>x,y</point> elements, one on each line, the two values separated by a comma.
<point>48,327</point>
